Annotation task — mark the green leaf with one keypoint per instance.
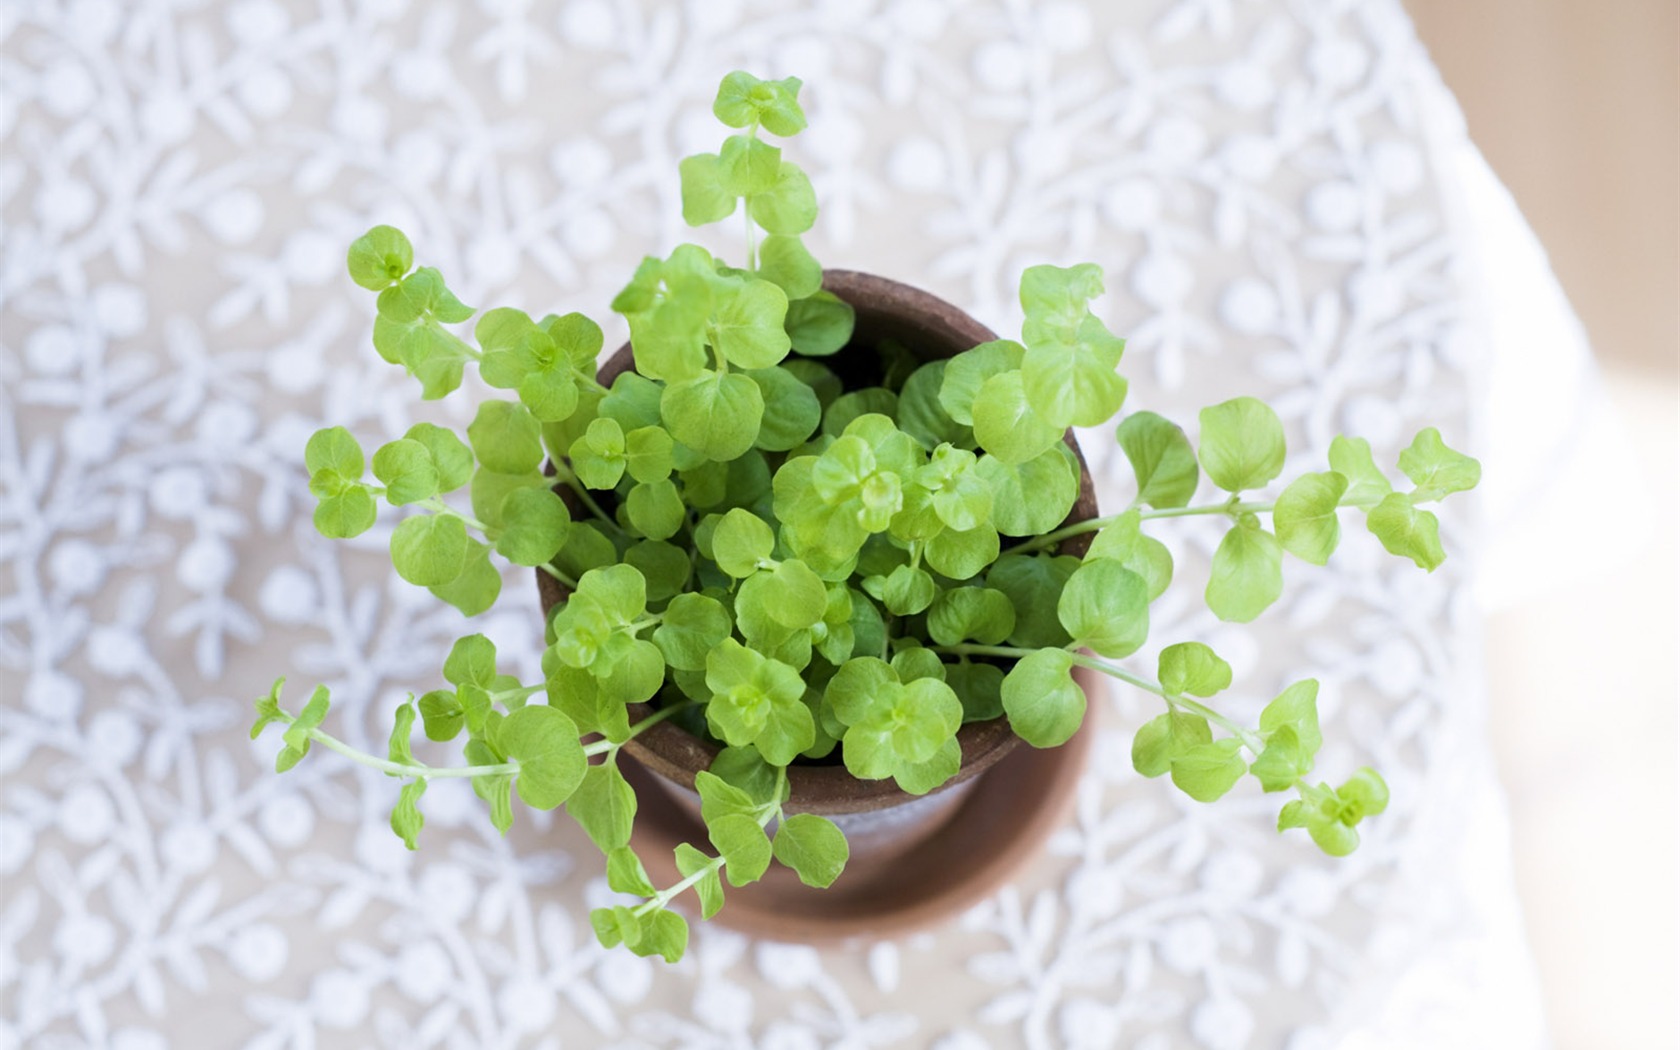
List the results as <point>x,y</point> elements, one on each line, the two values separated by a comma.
<point>627,874</point>
<point>794,596</point>
<point>475,590</point>
<point>471,661</point>
<point>617,925</point>
<point>819,324</point>
<point>441,714</point>
<point>1191,667</point>
<point>655,509</point>
<point>1034,585</point>
<point>1364,794</point>
<point>534,526</point>
<point>598,454</point>
<point>1162,459</point>
<point>1407,531</point>
<point>786,262</point>
<point>297,736</point>
<point>1305,516</point>
<point>380,258</point>
<point>1165,737</point>
<point>759,701</point>
<point>450,456</point>
<point>1006,425</point>
<point>1435,469</point>
<point>965,374</point>
<point>665,566</point>
<point>348,514</point>
<point>788,207</point>
<point>921,413</point>
<point>1205,772</point>
<point>962,555</point>
<point>905,591</point>
<point>1283,762</point>
<point>335,450</point>
<point>506,437</point>
<point>741,542</point>
<point>402,729</point>
<point>919,778</point>
<point>647,454</point>
<point>268,709</point>
<point>633,401</point>
<point>791,410</point>
<point>1297,708</point>
<point>429,550</point>
<point>1056,301</point>
<point>1242,444</point>
<point>748,165</point>
<point>693,626</point>
<point>1123,541</point>
<point>747,328</point>
<point>545,744</point>
<point>1044,704</point>
<point>813,847</point>
<point>744,100</point>
<point>406,818</point>
<point>709,889</point>
<point>1351,458</point>
<point>899,728</point>
<point>704,198</point>
<point>665,934</point>
<point>1247,572</point>
<point>1105,607</point>
<point>719,798</point>
<point>715,414</point>
<point>1031,498</point>
<point>745,849</point>
<point>980,688</point>
<point>977,614</point>
<point>1067,385</point>
<point>604,805</point>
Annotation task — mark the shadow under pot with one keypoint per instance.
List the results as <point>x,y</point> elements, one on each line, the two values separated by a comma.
<point>914,859</point>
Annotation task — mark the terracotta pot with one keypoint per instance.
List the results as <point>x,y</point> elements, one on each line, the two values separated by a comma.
<point>881,822</point>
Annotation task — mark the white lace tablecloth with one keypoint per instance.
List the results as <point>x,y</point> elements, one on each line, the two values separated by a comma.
<point>1269,187</point>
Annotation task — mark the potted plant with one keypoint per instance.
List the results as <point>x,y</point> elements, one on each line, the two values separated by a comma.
<point>814,544</point>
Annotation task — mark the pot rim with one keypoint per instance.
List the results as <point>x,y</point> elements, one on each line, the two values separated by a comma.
<point>938,329</point>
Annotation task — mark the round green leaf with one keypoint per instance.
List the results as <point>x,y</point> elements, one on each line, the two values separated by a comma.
<point>534,526</point>
<point>429,550</point>
<point>1161,457</point>
<point>977,614</point>
<point>740,541</point>
<point>1044,704</point>
<point>791,410</point>
<point>819,324</point>
<point>813,847</point>
<point>545,744</point>
<point>1034,497</point>
<point>1105,607</point>
<point>655,509</point>
<point>380,258</point>
<point>449,454</point>
<point>1242,444</point>
<point>1191,667</point>
<point>506,437</point>
<point>1247,572</point>
<point>1005,424</point>
<point>693,626</point>
<point>715,414</point>
<point>1305,516</point>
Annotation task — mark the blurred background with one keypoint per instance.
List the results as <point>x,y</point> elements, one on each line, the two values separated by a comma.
<point>1575,107</point>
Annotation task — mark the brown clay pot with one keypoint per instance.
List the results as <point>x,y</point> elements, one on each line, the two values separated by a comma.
<point>884,825</point>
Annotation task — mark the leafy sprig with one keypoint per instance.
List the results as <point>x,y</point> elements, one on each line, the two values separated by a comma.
<point>800,566</point>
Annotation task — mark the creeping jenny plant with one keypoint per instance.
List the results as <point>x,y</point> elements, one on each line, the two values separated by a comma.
<point>799,569</point>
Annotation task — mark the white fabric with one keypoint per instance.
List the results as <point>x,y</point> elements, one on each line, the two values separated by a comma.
<point>1272,191</point>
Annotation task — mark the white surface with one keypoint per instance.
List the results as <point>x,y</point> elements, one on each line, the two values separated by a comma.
<point>1264,186</point>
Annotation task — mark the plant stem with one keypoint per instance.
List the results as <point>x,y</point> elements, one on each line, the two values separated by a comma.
<point>557,574</point>
<point>582,493</point>
<point>607,747</point>
<point>403,769</point>
<point>665,896</point>
<point>436,503</point>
